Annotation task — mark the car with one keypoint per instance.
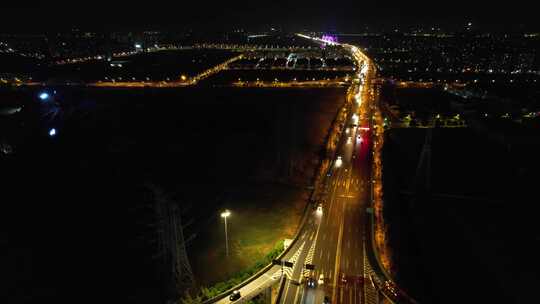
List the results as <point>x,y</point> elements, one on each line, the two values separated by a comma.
<point>339,162</point>
<point>311,283</point>
<point>235,295</point>
<point>321,279</point>
<point>319,209</point>
<point>326,300</point>
<point>343,278</point>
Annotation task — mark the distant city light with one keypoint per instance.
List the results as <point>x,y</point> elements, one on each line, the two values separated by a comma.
<point>52,132</point>
<point>44,96</point>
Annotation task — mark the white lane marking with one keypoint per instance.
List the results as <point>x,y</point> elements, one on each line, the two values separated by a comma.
<point>301,298</point>
<point>293,259</point>
<point>296,294</point>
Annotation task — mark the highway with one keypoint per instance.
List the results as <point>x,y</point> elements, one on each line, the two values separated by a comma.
<point>334,240</point>
<point>337,250</point>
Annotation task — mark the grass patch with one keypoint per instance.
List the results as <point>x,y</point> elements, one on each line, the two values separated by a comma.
<point>218,288</point>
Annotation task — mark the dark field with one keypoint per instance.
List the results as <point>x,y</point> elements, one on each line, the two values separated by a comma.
<point>475,240</point>
<point>76,212</point>
<point>157,66</point>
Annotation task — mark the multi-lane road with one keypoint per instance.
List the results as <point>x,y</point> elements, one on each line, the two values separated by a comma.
<point>333,238</point>
<point>336,245</point>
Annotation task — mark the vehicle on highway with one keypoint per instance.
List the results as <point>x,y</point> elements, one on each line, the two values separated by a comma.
<point>321,279</point>
<point>339,161</point>
<point>319,209</point>
<point>343,278</point>
<point>326,300</point>
<point>311,283</point>
<point>235,295</point>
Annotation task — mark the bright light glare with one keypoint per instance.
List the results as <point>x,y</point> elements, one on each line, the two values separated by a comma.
<point>44,96</point>
<point>339,162</point>
<point>319,210</point>
<point>355,118</point>
<point>358,99</point>
<point>225,213</point>
<point>52,132</point>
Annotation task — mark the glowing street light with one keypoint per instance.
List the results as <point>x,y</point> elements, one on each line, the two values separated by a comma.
<point>225,214</point>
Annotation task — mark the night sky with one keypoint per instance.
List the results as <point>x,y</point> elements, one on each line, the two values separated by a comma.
<point>37,16</point>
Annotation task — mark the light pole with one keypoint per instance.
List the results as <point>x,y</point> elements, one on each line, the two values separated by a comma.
<point>225,214</point>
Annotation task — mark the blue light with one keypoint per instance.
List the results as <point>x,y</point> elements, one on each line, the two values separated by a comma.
<point>44,96</point>
<point>52,132</point>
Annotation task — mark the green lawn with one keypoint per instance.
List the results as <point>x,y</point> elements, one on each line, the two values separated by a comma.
<point>263,216</point>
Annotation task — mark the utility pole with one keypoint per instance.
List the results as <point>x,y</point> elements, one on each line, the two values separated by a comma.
<point>172,245</point>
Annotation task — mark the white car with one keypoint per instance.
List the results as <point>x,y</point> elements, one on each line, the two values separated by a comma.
<point>319,209</point>
<point>321,279</point>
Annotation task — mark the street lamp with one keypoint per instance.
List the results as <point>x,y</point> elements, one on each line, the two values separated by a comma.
<point>225,214</point>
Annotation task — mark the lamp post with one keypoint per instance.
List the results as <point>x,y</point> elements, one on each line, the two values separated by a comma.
<point>225,214</point>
